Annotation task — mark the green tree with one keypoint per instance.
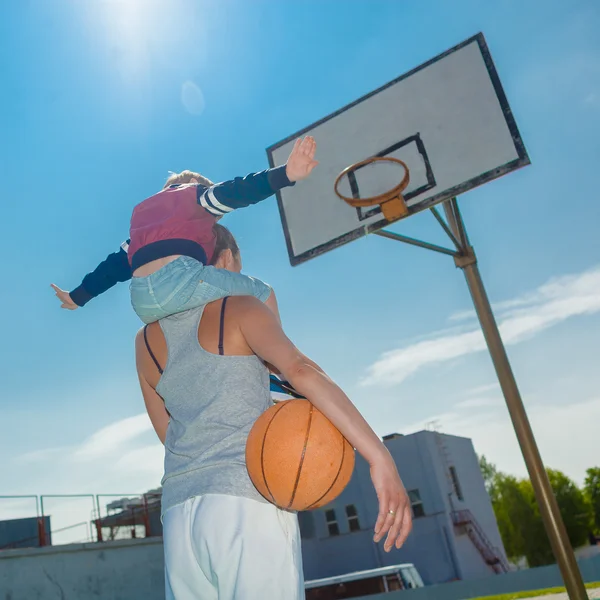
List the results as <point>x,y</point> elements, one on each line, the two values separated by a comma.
<point>489,472</point>
<point>575,508</point>
<point>592,491</point>
<point>513,513</point>
<point>518,516</point>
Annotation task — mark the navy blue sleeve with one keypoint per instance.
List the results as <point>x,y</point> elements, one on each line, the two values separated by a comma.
<point>113,269</point>
<point>224,197</point>
<point>281,386</point>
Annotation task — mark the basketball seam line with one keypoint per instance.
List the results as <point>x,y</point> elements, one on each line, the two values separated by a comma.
<point>336,477</point>
<point>310,414</point>
<point>262,452</point>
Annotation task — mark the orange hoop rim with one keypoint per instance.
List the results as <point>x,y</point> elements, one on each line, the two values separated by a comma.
<point>395,192</point>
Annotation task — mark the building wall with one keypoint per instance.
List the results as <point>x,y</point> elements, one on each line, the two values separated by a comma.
<point>428,546</point>
<point>434,546</point>
<point>461,455</point>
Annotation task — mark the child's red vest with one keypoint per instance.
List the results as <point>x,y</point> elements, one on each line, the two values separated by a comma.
<point>171,222</point>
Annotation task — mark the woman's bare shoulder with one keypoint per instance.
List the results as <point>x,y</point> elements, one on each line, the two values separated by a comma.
<point>244,303</point>
<point>152,332</point>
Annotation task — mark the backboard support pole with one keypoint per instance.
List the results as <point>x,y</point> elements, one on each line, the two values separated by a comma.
<point>466,260</point>
<point>391,235</point>
<point>445,227</point>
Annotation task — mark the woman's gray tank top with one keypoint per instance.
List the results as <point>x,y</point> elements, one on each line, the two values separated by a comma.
<point>213,401</point>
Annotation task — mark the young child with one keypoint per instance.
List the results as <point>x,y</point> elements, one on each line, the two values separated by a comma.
<point>172,242</point>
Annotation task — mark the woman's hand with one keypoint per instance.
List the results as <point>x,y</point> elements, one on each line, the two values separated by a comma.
<point>395,516</point>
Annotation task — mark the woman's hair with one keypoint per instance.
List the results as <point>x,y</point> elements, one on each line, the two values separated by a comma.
<point>224,241</point>
<point>186,177</point>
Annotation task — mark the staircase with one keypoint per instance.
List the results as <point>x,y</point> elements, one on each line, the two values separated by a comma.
<point>490,554</point>
<point>464,517</point>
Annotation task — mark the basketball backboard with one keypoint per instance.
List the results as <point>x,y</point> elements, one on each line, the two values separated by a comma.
<point>448,120</point>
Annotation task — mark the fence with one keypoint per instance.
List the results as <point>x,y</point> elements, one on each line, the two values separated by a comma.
<point>56,519</point>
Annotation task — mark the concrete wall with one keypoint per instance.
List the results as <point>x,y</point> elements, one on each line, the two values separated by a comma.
<point>120,570</point>
<point>530,579</point>
<point>133,570</point>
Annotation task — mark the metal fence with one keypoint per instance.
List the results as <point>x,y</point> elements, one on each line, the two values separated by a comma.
<point>54,519</point>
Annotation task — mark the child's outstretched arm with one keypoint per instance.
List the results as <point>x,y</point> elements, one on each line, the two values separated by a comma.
<point>240,192</point>
<point>114,269</point>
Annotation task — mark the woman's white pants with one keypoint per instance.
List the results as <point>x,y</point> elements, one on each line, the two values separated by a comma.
<point>221,547</point>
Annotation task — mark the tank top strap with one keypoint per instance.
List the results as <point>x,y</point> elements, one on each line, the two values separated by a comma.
<point>222,327</point>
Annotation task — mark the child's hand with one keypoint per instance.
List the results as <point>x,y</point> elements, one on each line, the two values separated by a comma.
<point>302,159</point>
<point>65,298</point>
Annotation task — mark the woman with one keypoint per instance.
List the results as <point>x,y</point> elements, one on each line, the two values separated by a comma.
<point>204,382</point>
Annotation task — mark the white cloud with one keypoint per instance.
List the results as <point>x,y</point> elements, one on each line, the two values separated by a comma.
<point>125,455</point>
<point>519,319</point>
<point>482,389</point>
<point>479,402</point>
<point>124,458</point>
<point>111,439</point>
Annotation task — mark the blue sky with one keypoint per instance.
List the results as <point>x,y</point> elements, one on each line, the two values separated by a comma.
<point>103,101</point>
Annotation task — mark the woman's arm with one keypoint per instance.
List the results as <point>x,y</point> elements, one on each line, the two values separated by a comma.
<point>266,338</point>
<point>155,405</point>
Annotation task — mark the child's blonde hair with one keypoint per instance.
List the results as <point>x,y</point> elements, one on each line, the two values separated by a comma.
<point>186,177</point>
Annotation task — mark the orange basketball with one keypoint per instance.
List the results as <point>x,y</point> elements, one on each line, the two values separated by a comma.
<point>296,458</point>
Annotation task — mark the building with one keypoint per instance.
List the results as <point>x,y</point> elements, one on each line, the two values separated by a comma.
<point>30,532</point>
<point>131,518</point>
<point>454,536</point>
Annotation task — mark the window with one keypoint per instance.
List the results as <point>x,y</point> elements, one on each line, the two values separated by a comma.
<point>456,483</point>
<point>353,522</point>
<point>332,525</point>
<point>416,504</point>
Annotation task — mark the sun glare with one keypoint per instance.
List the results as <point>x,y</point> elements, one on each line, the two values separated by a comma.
<point>163,39</point>
<point>131,27</point>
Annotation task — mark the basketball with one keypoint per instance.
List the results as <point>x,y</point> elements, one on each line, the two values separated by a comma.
<point>296,457</point>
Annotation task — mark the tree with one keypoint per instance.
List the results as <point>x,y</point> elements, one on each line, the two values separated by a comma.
<point>489,472</point>
<point>592,491</point>
<point>575,508</point>
<point>518,516</point>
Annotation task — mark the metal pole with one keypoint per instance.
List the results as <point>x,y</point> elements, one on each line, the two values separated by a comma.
<point>548,505</point>
<point>392,235</point>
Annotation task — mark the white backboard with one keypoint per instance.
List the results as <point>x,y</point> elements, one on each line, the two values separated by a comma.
<point>448,119</point>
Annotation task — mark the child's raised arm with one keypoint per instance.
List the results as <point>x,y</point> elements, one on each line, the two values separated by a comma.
<point>240,192</point>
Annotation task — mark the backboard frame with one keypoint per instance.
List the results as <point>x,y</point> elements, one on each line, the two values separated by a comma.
<point>521,160</point>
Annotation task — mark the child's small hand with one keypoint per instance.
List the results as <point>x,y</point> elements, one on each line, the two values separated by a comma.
<point>65,298</point>
<point>302,159</point>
